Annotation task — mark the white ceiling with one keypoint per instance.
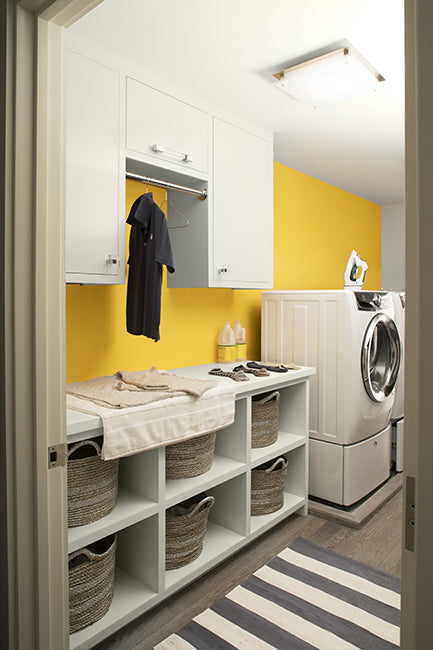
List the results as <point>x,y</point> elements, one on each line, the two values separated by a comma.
<point>227,50</point>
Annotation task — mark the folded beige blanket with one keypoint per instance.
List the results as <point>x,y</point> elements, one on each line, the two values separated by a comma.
<point>113,391</point>
<point>154,379</point>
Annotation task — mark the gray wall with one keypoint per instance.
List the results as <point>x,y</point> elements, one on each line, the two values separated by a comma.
<point>393,247</point>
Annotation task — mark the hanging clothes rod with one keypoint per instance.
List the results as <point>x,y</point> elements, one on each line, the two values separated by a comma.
<point>201,194</point>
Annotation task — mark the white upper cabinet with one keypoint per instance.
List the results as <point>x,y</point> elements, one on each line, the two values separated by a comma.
<point>165,129</point>
<point>229,241</point>
<point>115,122</point>
<point>242,207</point>
<point>95,201</point>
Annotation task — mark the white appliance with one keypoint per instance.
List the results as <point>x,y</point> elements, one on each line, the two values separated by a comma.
<point>397,413</point>
<point>350,337</point>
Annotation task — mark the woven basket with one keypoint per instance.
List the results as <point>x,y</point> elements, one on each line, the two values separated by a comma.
<point>91,577</point>
<point>185,528</point>
<point>190,457</point>
<point>267,487</point>
<point>92,483</point>
<point>264,420</point>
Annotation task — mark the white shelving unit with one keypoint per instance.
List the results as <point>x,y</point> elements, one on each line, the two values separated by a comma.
<point>141,580</point>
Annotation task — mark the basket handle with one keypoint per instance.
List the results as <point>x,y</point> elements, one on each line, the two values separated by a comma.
<point>267,398</point>
<point>90,555</point>
<point>280,461</point>
<point>207,502</point>
<point>83,443</point>
<point>82,551</point>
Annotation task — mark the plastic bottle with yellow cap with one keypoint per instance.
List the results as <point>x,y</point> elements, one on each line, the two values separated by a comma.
<point>226,344</point>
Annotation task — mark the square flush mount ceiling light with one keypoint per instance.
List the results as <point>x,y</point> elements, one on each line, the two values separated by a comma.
<point>329,79</point>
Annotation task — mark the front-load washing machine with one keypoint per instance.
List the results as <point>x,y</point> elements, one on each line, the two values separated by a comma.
<point>351,338</point>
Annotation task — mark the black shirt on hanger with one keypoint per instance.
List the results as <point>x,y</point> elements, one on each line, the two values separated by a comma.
<point>149,250</point>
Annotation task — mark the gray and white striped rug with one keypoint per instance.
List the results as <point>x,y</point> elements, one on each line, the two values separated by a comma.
<point>306,597</point>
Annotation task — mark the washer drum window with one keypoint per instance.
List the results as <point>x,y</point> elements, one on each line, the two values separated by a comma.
<point>380,357</point>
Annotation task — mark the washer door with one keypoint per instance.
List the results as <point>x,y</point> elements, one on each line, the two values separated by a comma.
<point>380,357</point>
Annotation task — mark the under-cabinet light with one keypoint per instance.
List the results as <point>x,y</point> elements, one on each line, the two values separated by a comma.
<point>328,79</point>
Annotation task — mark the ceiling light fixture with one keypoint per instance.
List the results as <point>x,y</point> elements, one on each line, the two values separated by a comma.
<point>329,79</point>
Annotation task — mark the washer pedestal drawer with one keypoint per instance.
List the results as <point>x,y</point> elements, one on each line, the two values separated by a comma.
<point>345,474</point>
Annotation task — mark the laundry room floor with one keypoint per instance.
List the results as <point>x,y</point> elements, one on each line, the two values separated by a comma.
<point>377,543</point>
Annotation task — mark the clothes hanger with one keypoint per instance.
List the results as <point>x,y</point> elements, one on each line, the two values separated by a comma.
<point>186,224</point>
<point>169,201</point>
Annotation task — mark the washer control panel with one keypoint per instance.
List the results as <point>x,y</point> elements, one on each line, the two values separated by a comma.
<point>370,300</point>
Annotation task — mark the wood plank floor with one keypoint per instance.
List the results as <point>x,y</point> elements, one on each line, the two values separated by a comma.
<point>377,543</point>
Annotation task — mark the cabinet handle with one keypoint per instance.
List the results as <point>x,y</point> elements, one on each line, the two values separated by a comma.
<point>185,157</point>
<point>112,260</point>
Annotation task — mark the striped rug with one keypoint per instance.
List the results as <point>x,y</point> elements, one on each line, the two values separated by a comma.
<point>306,597</point>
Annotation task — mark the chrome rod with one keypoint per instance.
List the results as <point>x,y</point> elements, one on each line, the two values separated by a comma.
<point>201,194</point>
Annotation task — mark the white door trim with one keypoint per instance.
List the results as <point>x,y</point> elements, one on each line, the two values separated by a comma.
<point>417,565</point>
<point>50,365</point>
<point>32,329</point>
<point>33,588</point>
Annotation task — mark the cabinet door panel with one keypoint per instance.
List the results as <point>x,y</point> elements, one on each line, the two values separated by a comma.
<point>92,171</point>
<point>155,118</point>
<point>243,210</point>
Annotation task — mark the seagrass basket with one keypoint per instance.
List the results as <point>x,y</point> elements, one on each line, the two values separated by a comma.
<point>185,528</point>
<point>190,457</point>
<point>92,483</point>
<point>264,419</point>
<point>91,579</point>
<point>267,486</point>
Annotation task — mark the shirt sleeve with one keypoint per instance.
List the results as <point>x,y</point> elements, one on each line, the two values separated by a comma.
<point>132,217</point>
<point>139,215</point>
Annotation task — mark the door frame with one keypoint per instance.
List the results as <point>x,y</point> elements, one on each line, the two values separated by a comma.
<point>417,564</point>
<point>33,534</point>
<point>33,503</point>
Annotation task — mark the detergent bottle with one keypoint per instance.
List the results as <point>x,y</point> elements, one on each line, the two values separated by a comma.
<point>226,344</point>
<point>237,329</point>
<point>241,343</point>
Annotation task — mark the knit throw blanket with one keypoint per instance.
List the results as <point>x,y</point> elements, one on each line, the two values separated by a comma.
<point>137,388</point>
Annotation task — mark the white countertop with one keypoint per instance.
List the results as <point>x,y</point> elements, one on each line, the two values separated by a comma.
<point>84,425</point>
<point>242,388</point>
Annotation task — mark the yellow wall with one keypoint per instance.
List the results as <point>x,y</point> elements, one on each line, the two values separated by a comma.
<point>315,228</point>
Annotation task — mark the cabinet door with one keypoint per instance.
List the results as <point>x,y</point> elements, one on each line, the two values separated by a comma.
<point>242,208</point>
<point>165,129</point>
<point>95,230</point>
